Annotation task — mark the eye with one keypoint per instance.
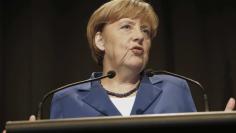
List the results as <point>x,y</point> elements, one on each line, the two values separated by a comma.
<point>146,31</point>
<point>126,27</point>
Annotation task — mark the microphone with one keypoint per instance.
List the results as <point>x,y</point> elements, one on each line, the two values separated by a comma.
<point>150,73</point>
<point>110,74</point>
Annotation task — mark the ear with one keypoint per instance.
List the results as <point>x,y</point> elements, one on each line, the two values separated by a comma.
<point>99,42</point>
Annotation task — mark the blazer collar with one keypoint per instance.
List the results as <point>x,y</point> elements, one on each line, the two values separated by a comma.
<point>146,95</point>
<point>87,86</point>
<point>99,100</point>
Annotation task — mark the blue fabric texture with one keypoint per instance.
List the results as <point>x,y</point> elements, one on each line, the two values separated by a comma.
<point>157,94</point>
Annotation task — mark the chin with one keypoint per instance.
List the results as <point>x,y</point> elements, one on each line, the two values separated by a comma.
<point>136,65</point>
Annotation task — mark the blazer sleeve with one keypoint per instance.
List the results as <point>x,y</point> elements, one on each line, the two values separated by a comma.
<point>56,109</point>
<point>189,102</point>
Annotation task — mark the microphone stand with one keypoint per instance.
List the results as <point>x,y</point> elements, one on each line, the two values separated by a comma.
<point>110,74</point>
<point>150,73</point>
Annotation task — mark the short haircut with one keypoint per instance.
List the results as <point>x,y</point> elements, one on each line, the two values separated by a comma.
<point>113,11</point>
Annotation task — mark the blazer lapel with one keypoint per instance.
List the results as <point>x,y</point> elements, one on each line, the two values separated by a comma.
<point>99,100</point>
<point>146,95</point>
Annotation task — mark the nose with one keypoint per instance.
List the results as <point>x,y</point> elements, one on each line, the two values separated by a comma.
<point>138,36</point>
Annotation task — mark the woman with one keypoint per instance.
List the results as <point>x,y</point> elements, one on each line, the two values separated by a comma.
<point>120,34</point>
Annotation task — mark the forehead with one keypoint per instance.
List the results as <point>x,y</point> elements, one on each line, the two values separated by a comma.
<point>133,21</point>
<point>142,18</point>
<point>119,9</point>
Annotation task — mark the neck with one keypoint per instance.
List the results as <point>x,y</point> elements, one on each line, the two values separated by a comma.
<point>124,81</point>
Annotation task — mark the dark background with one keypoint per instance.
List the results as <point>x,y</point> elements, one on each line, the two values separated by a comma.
<point>43,46</point>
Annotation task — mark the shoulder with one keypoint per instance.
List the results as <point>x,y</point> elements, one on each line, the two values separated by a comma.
<point>77,87</point>
<point>169,83</point>
<point>167,79</point>
<point>72,90</point>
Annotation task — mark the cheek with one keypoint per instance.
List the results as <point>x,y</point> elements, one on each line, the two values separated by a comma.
<point>147,47</point>
<point>112,41</point>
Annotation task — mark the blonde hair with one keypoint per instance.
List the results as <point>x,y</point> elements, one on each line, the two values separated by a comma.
<point>113,11</point>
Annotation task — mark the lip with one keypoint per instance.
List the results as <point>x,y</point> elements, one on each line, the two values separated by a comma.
<point>137,50</point>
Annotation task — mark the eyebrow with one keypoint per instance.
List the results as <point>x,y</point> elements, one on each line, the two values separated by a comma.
<point>127,21</point>
<point>130,21</point>
<point>145,26</point>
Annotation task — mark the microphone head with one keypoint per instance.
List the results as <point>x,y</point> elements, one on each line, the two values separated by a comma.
<point>111,74</point>
<point>149,72</point>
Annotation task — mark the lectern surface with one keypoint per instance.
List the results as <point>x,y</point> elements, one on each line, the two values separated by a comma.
<point>198,121</point>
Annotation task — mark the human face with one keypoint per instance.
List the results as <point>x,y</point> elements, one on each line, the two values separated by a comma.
<point>126,44</point>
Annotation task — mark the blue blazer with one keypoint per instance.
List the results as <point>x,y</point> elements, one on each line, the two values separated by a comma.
<point>157,94</point>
